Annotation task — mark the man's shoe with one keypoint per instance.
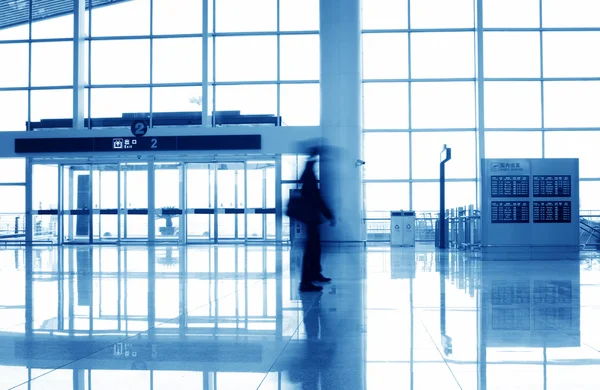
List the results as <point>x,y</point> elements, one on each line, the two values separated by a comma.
<point>322,279</point>
<point>309,287</point>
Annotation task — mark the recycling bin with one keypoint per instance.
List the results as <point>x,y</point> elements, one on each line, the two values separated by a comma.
<point>402,228</point>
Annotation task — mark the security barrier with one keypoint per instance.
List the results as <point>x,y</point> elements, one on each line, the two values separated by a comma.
<point>464,228</point>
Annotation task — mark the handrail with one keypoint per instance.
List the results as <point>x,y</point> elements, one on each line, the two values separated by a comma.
<point>588,226</point>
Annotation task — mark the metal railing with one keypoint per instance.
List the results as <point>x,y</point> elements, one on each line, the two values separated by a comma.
<point>12,225</point>
<point>589,229</point>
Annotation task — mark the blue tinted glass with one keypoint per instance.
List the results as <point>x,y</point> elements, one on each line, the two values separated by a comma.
<point>257,53</point>
<point>300,104</point>
<point>246,16</point>
<point>60,54</point>
<point>14,119</point>
<point>177,16</point>
<point>51,104</point>
<point>299,57</point>
<point>122,19</point>
<point>297,15</point>
<point>177,60</point>
<point>134,68</point>
<point>14,73</point>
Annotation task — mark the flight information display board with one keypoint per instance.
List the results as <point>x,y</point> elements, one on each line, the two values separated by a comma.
<point>510,212</point>
<point>510,186</point>
<point>552,212</point>
<point>552,186</point>
<point>138,144</point>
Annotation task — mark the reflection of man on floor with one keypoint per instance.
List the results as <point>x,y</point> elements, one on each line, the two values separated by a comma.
<point>318,350</point>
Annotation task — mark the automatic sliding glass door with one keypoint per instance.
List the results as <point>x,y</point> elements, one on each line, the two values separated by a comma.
<point>45,188</point>
<point>230,201</point>
<point>105,200</point>
<point>108,202</point>
<point>261,200</point>
<point>168,201</point>
<point>76,210</point>
<point>134,201</point>
<point>200,207</point>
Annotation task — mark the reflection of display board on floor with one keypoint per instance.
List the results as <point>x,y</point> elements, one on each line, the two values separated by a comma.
<point>531,303</point>
<point>530,203</point>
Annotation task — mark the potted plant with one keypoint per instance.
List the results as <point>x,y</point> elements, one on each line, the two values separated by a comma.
<point>167,213</point>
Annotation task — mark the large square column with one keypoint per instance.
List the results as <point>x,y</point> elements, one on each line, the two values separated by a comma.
<point>341,117</point>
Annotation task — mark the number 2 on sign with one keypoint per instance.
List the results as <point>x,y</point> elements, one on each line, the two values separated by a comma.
<point>139,128</point>
<point>154,143</point>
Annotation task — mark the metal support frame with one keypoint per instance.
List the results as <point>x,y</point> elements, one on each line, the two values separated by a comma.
<point>99,170</point>
<point>236,221</point>
<point>125,204</point>
<point>264,202</point>
<point>183,188</point>
<point>29,200</point>
<point>71,200</point>
<point>542,104</point>
<point>245,201</point>
<point>78,63</point>
<point>480,134</point>
<point>278,200</point>
<point>216,202</point>
<point>151,201</point>
<point>91,206</point>
<point>60,206</point>
<point>205,122</point>
<point>119,204</point>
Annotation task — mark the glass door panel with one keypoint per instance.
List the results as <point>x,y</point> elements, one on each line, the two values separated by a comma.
<point>134,201</point>
<point>256,200</point>
<point>261,199</point>
<point>167,200</point>
<point>230,200</point>
<point>45,202</point>
<point>270,201</point>
<point>77,203</point>
<point>105,198</point>
<point>200,180</point>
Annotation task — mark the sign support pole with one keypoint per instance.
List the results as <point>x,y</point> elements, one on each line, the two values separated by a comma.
<point>445,156</point>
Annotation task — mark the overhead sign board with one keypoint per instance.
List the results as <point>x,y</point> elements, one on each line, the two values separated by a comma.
<point>138,144</point>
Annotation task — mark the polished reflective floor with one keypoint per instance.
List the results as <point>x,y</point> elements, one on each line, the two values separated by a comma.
<point>230,317</point>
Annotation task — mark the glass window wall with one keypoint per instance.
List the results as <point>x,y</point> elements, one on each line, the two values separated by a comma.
<point>419,71</point>
<point>14,119</point>
<point>134,57</point>
<point>14,73</point>
<point>442,55</point>
<point>539,84</point>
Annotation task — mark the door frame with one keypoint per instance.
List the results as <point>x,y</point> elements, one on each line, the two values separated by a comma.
<point>216,210</point>
<point>122,211</point>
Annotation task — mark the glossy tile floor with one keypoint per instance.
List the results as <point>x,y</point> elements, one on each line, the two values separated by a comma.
<point>230,317</point>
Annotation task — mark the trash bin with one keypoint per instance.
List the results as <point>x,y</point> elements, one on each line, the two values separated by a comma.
<point>402,228</point>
